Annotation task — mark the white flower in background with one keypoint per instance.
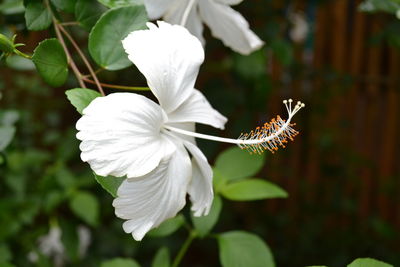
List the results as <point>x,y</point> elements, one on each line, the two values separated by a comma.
<point>126,134</point>
<point>300,28</point>
<point>85,238</point>
<point>224,22</point>
<point>51,245</point>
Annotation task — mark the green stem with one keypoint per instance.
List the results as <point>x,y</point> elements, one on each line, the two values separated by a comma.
<point>19,53</point>
<point>184,248</point>
<point>83,57</point>
<point>115,86</point>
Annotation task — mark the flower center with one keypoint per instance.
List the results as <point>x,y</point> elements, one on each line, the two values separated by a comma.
<point>268,137</point>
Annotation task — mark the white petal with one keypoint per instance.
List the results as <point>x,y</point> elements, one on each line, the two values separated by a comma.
<point>120,135</point>
<point>201,187</point>
<point>187,126</point>
<point>169,57</point>
<point>156,8</point>
<point>193,23</point>
<point>197,109</point>
<point>145,202</point>
<point>229,2</point>
<point>229,26</point>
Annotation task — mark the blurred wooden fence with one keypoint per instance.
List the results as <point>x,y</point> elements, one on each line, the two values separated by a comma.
<point>347,155</point>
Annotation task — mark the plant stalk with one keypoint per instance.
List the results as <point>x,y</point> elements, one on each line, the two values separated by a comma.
<point>115,86</point>
<point>184,248</point>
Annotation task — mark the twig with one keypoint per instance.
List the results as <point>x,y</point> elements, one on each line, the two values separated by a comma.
<point>89,67</point>
<point>69,23</point>
<point>74,68</point>
<point>115,86</point>
<point>184,248</point>
<point>96,71</point>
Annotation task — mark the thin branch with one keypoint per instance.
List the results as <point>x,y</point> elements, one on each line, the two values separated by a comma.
<point>74,68</point>
<point>184,248</point>
<point>96,71</point>
<point>89,67</point>
<point>115,86</point>
<point>69,23</point>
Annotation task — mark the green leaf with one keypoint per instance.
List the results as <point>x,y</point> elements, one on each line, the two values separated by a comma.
<point>168,227</point>
<point>105,37</point>
<point>19,63</point>
<point>204,224</point>
<point>368,262</point>
<point>6,135</point>
<point>120,3</point>
<point>86,207</point>
<point>109,183</point>
<point>252,189</point>
<point>51,62</point>
<point>65,5</point>
<point>283,51</point>
<point>70,239</point>
<point>80,98</point>
<point>242,249</point>
<point>12,7</point>
<point>87,12</point>
<point>5,253</point>
<point>235,163</point>
<point>219,180</point>
<point>251,66</point>
<point>37,16</point>
<point>120,262</point>
<point>162,258</point>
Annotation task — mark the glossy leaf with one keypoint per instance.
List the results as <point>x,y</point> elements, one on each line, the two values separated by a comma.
<point>65,5</point>
<point>162,258</point>
<point>51,62</point>
<point>168,227</point>
<point>12,7</point>
<point>80,98</point>
<point>204,224</point>
<point>105,44</point>
<point>242,249</point>
<point>109,183</point>
<point>120,262</point>
<point>86,207</point>
<point>37,16</point>
<point>19,63</point>
<point>368,262</point>
<point>87,13</point>
<point>219,180</point>
<point>235,163</point>
<point>252,189</point>
<point>120,3</point>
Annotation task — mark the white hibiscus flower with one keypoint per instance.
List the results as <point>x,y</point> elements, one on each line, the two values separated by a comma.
<point>224,22</point>
<point>126,134</point>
